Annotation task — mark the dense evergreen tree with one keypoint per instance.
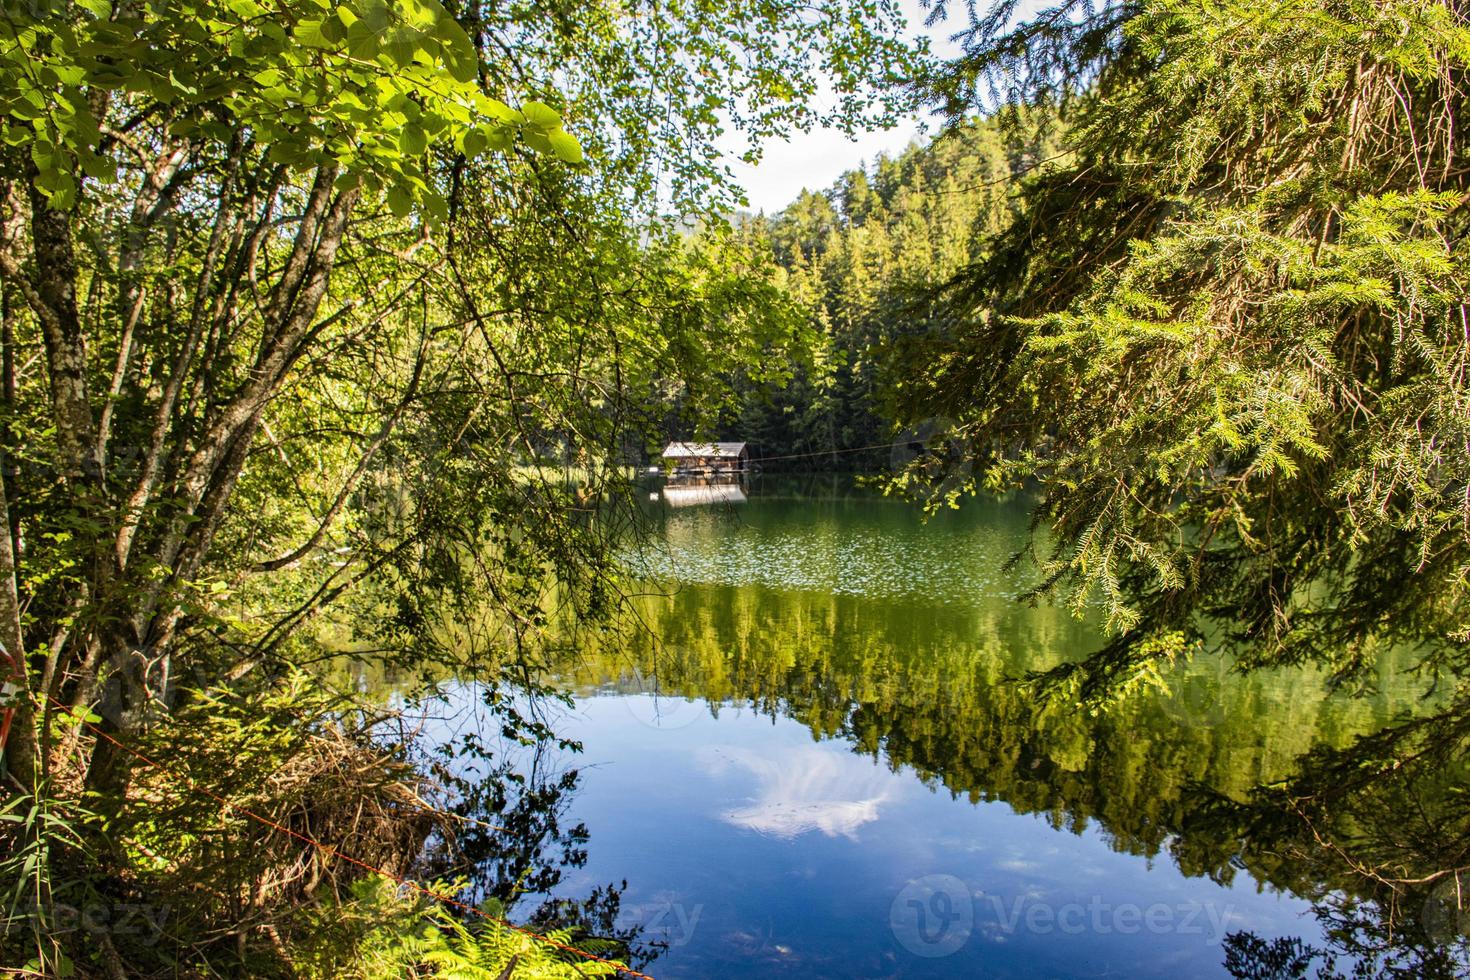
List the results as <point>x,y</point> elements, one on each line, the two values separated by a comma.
<point>1227,338</point>
<point>1226,332</point>
<point>863,257</point>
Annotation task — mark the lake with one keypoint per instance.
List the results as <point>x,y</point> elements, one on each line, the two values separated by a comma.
<point>812,761</point>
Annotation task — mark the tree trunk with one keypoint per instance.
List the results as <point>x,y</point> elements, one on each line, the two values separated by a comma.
<point>20,748</point>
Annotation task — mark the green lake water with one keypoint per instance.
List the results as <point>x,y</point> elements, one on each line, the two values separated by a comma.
<point>811,761</point>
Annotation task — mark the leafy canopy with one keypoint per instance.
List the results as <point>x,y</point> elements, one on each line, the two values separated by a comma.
<point>364,85</point>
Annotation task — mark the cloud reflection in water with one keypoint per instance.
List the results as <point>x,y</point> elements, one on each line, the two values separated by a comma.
<point>805,789</point>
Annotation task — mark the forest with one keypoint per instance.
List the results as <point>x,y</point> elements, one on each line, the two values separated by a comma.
<point>335,337</point>
<point>865,259</point>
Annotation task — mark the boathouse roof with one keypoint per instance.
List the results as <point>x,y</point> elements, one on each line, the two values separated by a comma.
<point>704,450</point>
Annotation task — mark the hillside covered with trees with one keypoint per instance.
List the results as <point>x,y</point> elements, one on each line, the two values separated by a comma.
<point>862,263</point>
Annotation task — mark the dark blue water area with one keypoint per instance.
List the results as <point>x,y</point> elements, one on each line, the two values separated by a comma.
<point>752,849</point>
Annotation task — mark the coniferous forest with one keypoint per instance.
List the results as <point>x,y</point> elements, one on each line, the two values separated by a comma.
<point>1108,470</point>
<point>866,259</point>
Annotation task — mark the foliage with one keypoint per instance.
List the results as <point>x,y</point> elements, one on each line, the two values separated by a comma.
<point>1227,334</point>
<point>397,935</point>
<point>366,87</point>
<point>1226,340</point>
<point>309,313</point>
<point>264,326</point>
<point>664,88</point>
<point>321,856</point>
<point>44,835</point>
<point>861,259</point>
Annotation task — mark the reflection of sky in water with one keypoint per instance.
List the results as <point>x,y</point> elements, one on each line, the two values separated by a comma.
<point>814,788</point>
<point>755,851</point>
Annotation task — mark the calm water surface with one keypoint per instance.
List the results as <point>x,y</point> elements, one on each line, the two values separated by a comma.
<point>812,764</point>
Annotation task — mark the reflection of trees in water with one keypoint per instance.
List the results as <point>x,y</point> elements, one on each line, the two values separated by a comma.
<point>927,688</point>
<point>1377,834</point>
<point>1367,938</point>
<point>514,845</point>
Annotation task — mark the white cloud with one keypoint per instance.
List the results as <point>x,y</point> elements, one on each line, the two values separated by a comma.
<point>811,788</point>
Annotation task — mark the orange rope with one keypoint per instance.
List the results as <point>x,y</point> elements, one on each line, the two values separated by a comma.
<point>328,849</point>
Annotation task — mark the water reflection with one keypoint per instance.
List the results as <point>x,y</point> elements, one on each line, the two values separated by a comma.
<point>848,544</point>
<point>694,491</point>
<point>814,788</point>
<point>815,738</point>
<point>515,841</point>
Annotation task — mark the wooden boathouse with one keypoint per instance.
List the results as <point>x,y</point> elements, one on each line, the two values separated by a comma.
<point>706,458</point>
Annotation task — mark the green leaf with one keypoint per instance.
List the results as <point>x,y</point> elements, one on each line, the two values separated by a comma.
<point>541,115</point>
<point>460,57</point>
<point>312,34</point>
<point>400,43</point>
<point>362,41</point>
<point>400,201</point>
<point>333,30</point>
<point>402,103</point>
<point>411,140</point>
<point>43,153</point>
<point>436,208</point>
<point>376,16</point>
<point>99,167</point>
<point>498,110</point>
<point>565,146</point>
